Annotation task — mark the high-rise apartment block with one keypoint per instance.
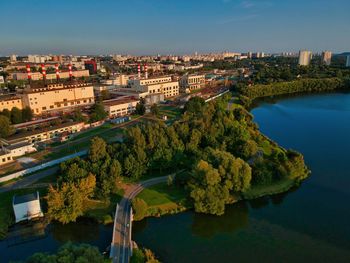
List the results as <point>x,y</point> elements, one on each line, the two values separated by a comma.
<point>326,57</point>
<point>304,57</point>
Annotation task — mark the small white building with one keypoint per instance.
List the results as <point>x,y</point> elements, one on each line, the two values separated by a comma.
<point>27,207</point>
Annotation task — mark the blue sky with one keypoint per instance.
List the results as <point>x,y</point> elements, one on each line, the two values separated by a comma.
<point>172,26</point>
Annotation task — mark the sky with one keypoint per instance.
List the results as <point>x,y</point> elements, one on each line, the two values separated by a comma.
<point>172,26</point>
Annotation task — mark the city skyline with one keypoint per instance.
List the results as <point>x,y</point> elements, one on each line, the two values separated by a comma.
<point>181,27</point>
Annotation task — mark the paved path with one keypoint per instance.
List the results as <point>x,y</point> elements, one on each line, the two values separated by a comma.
<point>28,180</point>
<point>121,241</point>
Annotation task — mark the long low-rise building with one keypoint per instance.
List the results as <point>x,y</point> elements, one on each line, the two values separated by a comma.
<point>42,98</point>
<point>50,76</point>
<point>9,152</point>
<point>120,107</point>
<point>45,133</point>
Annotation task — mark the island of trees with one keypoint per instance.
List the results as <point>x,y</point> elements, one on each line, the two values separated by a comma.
<point>224,157</point>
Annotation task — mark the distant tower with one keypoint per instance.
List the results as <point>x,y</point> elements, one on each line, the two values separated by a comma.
<point>326,57</point>
<point>304,57</point>
<point>146,72</point>
<point>29,74</point>
<point>43,71</point>
<point>347,61</point>
<point>139,71</point>
<point>57,72</point>
<point>70,71</point>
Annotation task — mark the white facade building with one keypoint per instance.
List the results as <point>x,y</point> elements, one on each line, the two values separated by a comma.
<point>27,207</point>
<point>347,61</point>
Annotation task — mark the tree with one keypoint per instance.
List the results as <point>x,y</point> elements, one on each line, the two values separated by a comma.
<point>98,149</point>
<point>98,113</point>
<point>105,95</point>
<point>65,203</point>
<point>82,253</point>
<point>6,113</point>
<point>140,107</point>
<point>27,114</point>
<point>16,115</point>
<point>78,116</point>
<point>208,194</point>
<point>170,180</point>
<point>140,208</point>
<point>194,105</point>
<point>155,109</point>
<point>5,127</point>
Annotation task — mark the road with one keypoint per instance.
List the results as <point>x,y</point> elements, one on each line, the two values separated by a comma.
<point>28,180</point>
<point>121,241</point>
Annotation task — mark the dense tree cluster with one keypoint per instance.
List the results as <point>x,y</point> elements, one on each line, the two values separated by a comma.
<point>223,150</point>
<point>83,179</point>
<point>249,93</point>
<point>98,112</point>
<point>143,256</point>
<point>69,253</point>
<point>16,115</point>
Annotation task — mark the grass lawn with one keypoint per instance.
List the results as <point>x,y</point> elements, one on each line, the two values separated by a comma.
<point>103,211</point>
<point>275,188</point>
<point>163,199</point>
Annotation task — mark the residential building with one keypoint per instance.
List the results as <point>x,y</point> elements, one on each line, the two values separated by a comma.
<point>191,82</point>
<point>305,57</point>
<point>13,58</point>
<point>120,107</point>
<point>27,207</point>
<point>326,57</point>
<point>44,98</point>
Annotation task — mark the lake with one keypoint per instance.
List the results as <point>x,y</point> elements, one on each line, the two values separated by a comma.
<point>308,224</point>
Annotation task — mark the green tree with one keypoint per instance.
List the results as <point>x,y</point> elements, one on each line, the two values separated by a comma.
<point>194,105</point>
<point>27,114</point>
<point>98,149</point>
<point>141,107</point>
<point>5,127</point>
<point>82,253</point>
<point>16,115</point>
<point>98,112</point>
<point>155,109</point>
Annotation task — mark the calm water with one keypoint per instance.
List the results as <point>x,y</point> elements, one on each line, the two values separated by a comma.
<point>308,224</point>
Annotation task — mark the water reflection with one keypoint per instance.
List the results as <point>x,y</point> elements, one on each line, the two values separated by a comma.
<point>207,226</point>
<point>84,230</point>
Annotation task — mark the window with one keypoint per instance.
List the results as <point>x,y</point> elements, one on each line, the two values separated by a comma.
<point>44,108</point>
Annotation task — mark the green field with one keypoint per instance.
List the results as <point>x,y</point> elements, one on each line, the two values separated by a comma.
<point>163,199</point>
<point>273,188</point>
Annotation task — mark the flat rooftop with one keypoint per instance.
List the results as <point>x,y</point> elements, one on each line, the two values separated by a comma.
<point>25,198</point>
<point>118,101</point>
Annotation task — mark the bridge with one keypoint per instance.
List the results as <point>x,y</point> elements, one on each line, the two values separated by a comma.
<point>121,247</point>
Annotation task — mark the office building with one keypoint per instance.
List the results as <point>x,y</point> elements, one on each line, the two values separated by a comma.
<point>305,57</point>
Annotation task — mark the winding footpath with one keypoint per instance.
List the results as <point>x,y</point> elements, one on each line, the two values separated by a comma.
<point>121,247</point>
